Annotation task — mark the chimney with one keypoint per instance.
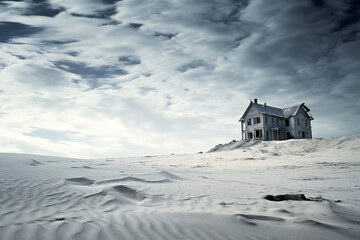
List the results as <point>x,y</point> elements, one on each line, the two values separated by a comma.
<point>264,105</point>
<point>255,100</point>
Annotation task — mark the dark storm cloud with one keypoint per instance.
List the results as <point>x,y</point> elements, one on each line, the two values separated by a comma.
<point>135,26</point>
<point>166,35</point>
<point>10,30</point>
<point>42,8</point>
<point>72,53</point>
<point>110,1</point>
<point>352,15</point>
<point>92,72</point>
<point>129,60</point>
<point>111,22</point>
<point>54,42</point>
<point>20,57</point>
<point>105,13</point>
<point>318,3</point>
<point>298,46</point>
<point>91,75</point>
<point>226,14</point>
<point>193,64</point>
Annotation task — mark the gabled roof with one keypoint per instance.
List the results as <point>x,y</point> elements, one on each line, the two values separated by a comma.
<point>265,109</point>
<point>290,111</point>
<point>277,112</point>
<point>246,111</point>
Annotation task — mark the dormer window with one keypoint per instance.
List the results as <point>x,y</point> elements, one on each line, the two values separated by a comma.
<point>249,122</point>
<point>256,120</point>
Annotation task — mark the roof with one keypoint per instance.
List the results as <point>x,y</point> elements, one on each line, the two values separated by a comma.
<point>277,112</point>
<point>290,111</point>
<point>265,109</point>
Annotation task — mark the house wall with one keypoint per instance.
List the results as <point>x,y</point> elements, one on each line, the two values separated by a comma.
<point>291,128</point>
<point>273,122</point>
<point>299,125</point>
<point>252,113</point>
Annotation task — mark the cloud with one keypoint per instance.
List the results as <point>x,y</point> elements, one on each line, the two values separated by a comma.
<point>52,135</point>
<point>105,78</point>
<point>105,13</point>
<point>10,30</point>
<point>166,35</point>
<point>35,77</point>
<point>42,8</point>
<point>193,64</point>
<point>351,16</point>
<point>86,7</point>
<point>91,75</point>
<point>135,26</point>
<point>129,60</point>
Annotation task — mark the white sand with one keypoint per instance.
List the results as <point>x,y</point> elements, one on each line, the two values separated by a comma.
<point>217,195</point>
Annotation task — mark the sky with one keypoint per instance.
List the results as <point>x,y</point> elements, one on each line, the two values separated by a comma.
<point>108,78</point>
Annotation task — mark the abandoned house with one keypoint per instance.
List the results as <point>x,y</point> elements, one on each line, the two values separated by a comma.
<point>263,122</point>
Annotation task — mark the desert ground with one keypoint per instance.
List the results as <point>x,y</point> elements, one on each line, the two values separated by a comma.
<point>295,189</point>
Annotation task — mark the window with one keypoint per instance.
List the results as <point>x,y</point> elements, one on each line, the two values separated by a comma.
<point>250,135</point>
<point>265,119</point>
<point>286,122</point>
<point>306,123</point>
<point>256,120</point>
<point>249,122</point>
<point>298,122</point>
<point>272,121</point>
<point>258,133</point>
<point>267,135</point>
<point>277,121</point>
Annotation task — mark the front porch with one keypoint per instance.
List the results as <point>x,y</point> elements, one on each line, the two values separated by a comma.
<point>277,134</point>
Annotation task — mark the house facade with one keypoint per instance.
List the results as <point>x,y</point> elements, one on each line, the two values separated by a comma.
<point>264,122</point>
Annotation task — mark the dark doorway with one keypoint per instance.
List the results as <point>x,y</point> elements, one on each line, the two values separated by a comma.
<point>258,133</point>
<point>288,135</point>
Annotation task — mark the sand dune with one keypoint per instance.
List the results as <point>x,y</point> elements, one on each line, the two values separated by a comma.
<point>297,189</point>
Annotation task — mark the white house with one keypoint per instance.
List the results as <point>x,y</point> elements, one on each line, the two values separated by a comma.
<point>264,122</point>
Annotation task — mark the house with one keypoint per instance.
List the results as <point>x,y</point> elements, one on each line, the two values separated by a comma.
<point>264,122</point>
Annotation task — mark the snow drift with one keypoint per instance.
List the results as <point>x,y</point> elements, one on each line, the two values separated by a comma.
<point>296,189</point>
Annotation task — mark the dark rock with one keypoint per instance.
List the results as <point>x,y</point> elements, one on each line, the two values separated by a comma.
<point>285,197</point>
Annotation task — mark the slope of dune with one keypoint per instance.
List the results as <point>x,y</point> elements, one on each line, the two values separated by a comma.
<point>297,189</point>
